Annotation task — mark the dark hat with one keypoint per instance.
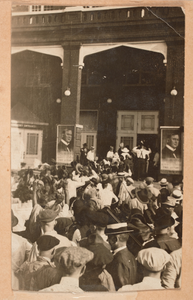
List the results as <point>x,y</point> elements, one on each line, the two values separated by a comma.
<point>47,215</point>
<point>98,218</point>
<point>62,225</point>
<point>119,228</point>
<point>47,242</point>
<point>163,219</point>
<point>94,180</point>
<point>102,255</point>
<point>149,180</point>
<point>78,206</point>
<point>14,220</point>
<point>104,177</point>
<point>143,195</point>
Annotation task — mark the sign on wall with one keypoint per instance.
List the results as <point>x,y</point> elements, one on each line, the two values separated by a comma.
<point>171,152</point>
<point>65,144</point>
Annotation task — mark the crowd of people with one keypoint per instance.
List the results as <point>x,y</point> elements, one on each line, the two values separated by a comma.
<point>92,227</point>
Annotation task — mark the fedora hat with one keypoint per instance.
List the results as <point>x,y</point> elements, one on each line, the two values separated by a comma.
<point>119,228</point>
<point>163,219</point>
<point>163,182</point>
<point>143,195</point>
<point>170,201</point>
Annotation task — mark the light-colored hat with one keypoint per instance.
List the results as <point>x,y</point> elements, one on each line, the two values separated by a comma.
<point>125,150</point>
<point>177,194</point>
<point>74,257</point>
<point>163,182</point>
<point>92,148</point>
<point>128,178</point>
<point>119,228</point>
<point>153,259</point>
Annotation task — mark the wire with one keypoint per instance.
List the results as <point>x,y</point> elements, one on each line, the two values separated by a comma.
<point>165,23</point>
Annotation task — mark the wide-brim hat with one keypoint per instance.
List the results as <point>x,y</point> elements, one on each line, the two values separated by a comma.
<point>177,195</point>
<point>79,168</point>
<point>163,219</point>
<point>119,228</point>
<point>143,195</point>
<point>163,182</point>
<point>125,150</point>
<point>98,218</point>
<point>170,201</point>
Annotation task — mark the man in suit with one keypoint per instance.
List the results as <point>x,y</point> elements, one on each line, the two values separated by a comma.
<point>171,150</point>
<point>65,142</point>
<point>123,268</point>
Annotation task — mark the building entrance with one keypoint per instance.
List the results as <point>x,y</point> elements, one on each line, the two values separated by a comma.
<point>133,126</point>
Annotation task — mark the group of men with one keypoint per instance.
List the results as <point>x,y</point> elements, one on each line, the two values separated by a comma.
<point>86,230</point>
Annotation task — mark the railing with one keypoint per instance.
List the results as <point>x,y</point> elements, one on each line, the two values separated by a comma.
<point>100,16</point>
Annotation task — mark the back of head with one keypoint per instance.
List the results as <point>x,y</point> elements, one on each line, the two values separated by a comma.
<point>73,258</point>
<point>153,259</point>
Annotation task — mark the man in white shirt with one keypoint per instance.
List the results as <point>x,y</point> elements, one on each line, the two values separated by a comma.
<point>142,157</point>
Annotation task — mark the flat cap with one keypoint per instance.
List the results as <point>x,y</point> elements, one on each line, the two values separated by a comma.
<point>47,215</point>
<point>74,257</point>
<point>47,242</point>
<point>153,259</point>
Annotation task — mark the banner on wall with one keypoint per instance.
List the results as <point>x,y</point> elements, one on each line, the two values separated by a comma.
<point>171,150</point>
<point>65,144</point>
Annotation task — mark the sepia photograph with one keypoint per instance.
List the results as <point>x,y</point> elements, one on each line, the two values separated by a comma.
<point>97,125</point>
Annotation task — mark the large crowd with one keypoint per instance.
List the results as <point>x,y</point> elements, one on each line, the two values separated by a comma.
<point>96,226</point>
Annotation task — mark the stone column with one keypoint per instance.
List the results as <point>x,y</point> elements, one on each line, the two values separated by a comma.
<point>70,107</point>
<point>174,105</point>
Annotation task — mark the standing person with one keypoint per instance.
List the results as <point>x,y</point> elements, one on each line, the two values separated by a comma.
<point>123,268</point>
<point>65,143</point>
<point>142,155</point>
<point>153,261</point>
<point>121,147</point>
<point>171,150</point>
<point>83,154</point>
<point>72,262</point>
<point>91,157</point>
<point>110,153</point>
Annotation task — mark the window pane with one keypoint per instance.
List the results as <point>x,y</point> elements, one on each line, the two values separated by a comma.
<point>32,144</point>
<point>128,141</point>
<point>90,140</point>
<point>127,122</point>
<point>148,123</point>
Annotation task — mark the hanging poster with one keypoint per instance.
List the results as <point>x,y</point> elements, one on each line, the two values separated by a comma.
<point>171,158</point>
<point>65,144</point>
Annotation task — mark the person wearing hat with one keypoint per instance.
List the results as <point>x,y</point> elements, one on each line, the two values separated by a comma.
<point>125,189</point>
<point>48,221</point>
<point>110,153</point>
<point>163,223</point>
<point>142,154</point>
<point>46,245</point>
<point>121,146</point>
<point>73,262</point>
<point>96,277</point>
<point>149,183</point>
<point>171,277</point>
<point>153,261</point>
<point>83,154</point>
<point>141,198</point>
<point>90,155</point>
<point>123,268</point>
<point>20,249</point>
<point>106,192</point>
<point>170,204</point>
